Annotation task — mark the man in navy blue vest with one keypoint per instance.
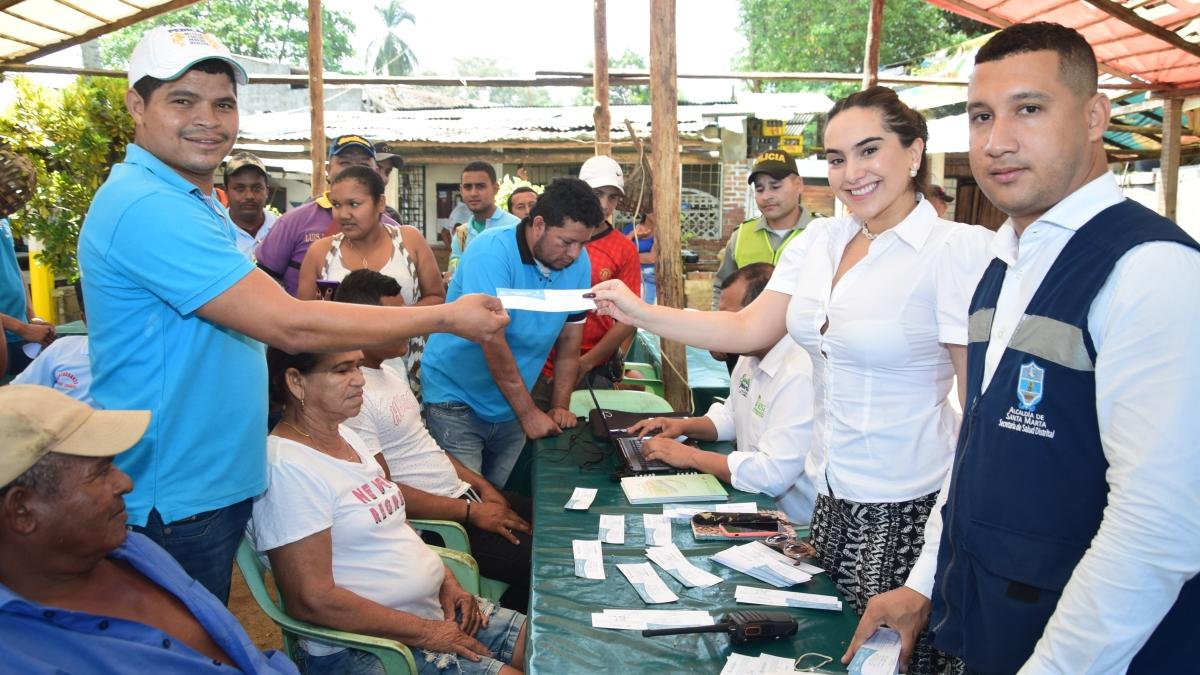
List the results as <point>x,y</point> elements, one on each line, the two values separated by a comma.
<point>1070,536</point>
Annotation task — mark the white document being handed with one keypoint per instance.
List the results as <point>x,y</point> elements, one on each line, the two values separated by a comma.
<point>671,559</point>
<point>546,299</point>
<point>658,529</point>
<point>879,655</point>
<point>763,563</point>
<point>589,558</point>
<point>753,595</point>
<point>612,528</point>
<point>581,499</point>
<point>641,619</point>
<point>647,583</point>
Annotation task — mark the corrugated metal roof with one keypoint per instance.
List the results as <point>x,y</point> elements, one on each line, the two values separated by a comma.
<point>472,125</point>
<point>33,28</point>
<point>1118,44</point>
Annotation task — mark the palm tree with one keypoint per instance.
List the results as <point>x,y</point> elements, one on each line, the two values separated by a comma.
<point>390,54</point>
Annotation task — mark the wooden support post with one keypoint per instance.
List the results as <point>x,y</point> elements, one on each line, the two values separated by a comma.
<point>874,32</point>
<point>1169,166</point>
<point>316,96</point>
<point>664,157</point>
<point>601,114</point>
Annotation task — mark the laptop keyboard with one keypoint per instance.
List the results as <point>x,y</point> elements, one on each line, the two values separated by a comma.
<point>631,448</point>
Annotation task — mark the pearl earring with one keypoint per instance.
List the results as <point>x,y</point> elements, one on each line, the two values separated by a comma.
<point>912,173</point>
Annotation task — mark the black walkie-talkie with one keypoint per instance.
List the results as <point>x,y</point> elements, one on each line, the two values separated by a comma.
<point>741,627</point>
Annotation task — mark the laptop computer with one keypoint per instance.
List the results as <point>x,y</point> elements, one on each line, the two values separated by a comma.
<point>628,448</point>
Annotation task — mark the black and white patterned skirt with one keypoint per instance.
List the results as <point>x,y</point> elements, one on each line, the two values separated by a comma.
<point>869,549</point>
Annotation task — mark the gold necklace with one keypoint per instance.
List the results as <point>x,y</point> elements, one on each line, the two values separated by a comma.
<point>315,444</point>
<point>867,233</point>
<point>360,255</point>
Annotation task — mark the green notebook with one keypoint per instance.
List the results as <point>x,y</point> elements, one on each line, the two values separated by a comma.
<point>683,487</point>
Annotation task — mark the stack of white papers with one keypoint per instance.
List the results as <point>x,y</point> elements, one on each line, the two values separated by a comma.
<point>686,511</point>
<point>763,563</point>
<point>672,560</point>
<point>647,583</point>
<point>658,529</point>
<point>641,619</point>
<point>581,499</point>
<point>589,559</point>
<point>612,528</point>
<point>753,595</point>
<point>879,655</point>
<point>546,300</point>
<point>763,664</point>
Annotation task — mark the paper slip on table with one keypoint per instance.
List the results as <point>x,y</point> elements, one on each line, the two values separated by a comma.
<point>561,637</point>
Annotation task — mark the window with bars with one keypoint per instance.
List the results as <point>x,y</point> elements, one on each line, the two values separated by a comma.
<point>410,196</point>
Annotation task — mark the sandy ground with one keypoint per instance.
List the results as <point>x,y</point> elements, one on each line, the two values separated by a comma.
<point>262,630</point>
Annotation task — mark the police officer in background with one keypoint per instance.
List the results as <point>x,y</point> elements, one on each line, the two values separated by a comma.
<point>777,190</point>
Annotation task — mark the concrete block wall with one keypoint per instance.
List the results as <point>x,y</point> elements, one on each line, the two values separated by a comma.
<point>733,195</point>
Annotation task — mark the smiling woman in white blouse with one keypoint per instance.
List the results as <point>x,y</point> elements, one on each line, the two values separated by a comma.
<point>879,300</point>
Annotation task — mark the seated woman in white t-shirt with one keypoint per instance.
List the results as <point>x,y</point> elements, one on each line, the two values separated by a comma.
<point>334,528</point>
<point>434,483</point>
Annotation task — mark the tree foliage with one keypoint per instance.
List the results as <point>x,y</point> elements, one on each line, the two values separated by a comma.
<point>623,94</point>
<point>479,66</point>
<point>276,30</point>
<point>73,137</point>
<point>820,36</point>
<point>390,54</point>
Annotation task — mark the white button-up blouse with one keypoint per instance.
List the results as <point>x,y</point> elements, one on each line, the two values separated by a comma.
<point>883,428</point>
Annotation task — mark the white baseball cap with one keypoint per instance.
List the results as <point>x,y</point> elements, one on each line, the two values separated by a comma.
<point>166,52</point>
<point>602,171</point>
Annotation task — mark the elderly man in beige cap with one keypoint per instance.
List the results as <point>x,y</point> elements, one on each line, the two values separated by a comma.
<point>78,593</point>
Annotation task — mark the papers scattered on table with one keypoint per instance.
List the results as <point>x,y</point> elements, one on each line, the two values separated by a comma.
<point>641,619</point>
<point>658,529</point>
<point>879,655</point>
<point>581,499</point>
<point>754,595</point>
<point>682,487</point>
<point>672,560</point>
<point>546,300</point>
<point>763,664</point>
<point>763,563</point>
<point>647,583</point>
<point>686,511</point>
<point>589,558</point>
<point>612,528</point>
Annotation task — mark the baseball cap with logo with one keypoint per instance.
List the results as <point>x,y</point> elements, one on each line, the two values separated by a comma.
<point>241,160</point>
<point>36,420</point>
<point>602,171</point>
<point>777,164</point>
<point>166,52</point>
<point>345,142</point>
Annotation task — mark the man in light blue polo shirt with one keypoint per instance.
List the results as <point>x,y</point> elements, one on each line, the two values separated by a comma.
<point>178,315</point>
<point>478,405</point>
<point>478,189</point>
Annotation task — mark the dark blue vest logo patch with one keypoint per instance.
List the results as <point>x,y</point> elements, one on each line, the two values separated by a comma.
<point>1029,385</point>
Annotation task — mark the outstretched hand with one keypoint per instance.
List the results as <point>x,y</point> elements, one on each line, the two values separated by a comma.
<point>477,317</point>
<point>613,298</point>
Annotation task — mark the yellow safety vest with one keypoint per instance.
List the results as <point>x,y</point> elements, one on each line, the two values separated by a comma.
<point>756,247</point>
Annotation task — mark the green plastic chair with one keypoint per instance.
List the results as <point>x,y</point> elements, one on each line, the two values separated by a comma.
<point>454,537</point>
<point>618,399</point>
<point>650,379</point>
<point>397,659</point>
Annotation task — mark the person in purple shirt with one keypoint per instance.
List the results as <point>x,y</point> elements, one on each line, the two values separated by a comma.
<point>282,251</point>
<point>78,593</point>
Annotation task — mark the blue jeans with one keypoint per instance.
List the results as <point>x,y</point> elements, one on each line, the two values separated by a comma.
<point>500,636</point>
<point>204,544</point>
<point>487,448</point>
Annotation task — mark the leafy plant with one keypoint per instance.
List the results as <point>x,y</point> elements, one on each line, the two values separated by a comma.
<point>390,54</point>
<point>73,137</point>
<point>276,30</point>
<point>620,94</point>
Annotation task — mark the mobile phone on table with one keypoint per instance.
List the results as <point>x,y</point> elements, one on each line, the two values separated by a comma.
<point>752,529</point>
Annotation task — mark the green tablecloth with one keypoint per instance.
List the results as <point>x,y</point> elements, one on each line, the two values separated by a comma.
<point>708,378</point>
<point>562,639</point>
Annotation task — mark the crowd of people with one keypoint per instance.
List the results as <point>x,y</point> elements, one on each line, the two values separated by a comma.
<point>314,381</point>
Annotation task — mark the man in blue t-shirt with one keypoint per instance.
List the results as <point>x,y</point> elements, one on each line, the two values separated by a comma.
<point>478,405</point>
<point>178,316</point>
